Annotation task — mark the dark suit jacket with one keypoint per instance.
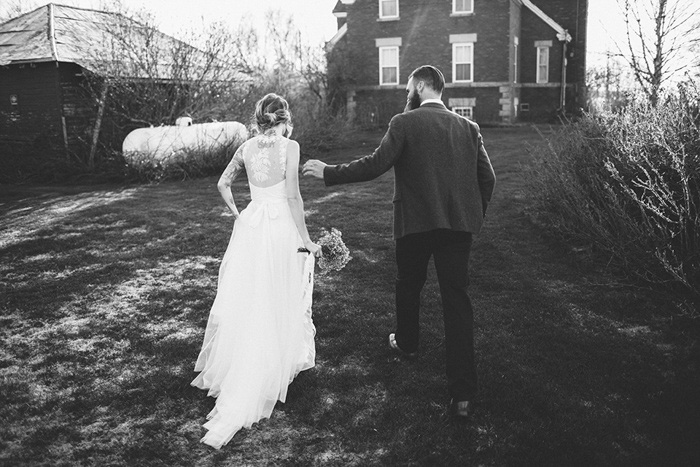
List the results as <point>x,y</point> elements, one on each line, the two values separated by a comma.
<point>444,178</point>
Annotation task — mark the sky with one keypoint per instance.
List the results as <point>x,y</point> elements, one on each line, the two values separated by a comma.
<point>313,17</point>
<point>606,26</point>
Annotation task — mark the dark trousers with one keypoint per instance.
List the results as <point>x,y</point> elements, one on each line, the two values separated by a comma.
<point>450,250</point>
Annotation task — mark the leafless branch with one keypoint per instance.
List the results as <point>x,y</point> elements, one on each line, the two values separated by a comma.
<point>659,34</point>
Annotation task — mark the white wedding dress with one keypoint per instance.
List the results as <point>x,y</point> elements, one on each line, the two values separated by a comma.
<point>260,334</point>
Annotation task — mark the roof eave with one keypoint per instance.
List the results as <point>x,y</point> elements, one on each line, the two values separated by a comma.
<point>27,61</point>
<point>562,34</point>
<point>336,38</point>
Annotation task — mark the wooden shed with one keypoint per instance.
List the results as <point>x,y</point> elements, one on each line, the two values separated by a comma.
<point>47,55</point>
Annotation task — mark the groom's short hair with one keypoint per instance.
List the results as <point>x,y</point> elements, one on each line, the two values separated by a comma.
<point>431,76</point>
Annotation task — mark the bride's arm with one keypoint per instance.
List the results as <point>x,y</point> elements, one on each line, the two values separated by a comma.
<point>233,170</point>
<point>296,204</point>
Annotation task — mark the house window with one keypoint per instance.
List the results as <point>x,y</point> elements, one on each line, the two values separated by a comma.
<point>542,64</point>
<point>389,65</point>
<point>462,63</point>
<point>388,9</point>
<point>464,112</point>
<point>462,7</point>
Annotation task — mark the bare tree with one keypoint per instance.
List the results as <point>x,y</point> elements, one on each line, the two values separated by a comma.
<point>169,76</point>
<point>297,57</point>
<point>139,77</point>
<point>245,47</point>
<point>610,86</point>
<point>10,9</point>
<point>659,33</point>
<point>14,8</point>
<point>215,73</point>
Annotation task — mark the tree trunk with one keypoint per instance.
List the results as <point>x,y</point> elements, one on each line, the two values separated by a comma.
<point>98,124</point>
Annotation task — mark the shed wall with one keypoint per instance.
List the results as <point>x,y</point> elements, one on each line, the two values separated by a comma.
<point>30,106</point>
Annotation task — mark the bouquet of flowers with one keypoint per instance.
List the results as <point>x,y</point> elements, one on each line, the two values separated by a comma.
<point>335,255</point>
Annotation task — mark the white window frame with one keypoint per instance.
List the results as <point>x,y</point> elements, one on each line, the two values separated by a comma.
<point>464,111</point>
<point>395,48</point>
<point>516,44</point>
<point>466,11</point>
<point>542,53</point>
<point>455,46</point>
<point>382,16</point>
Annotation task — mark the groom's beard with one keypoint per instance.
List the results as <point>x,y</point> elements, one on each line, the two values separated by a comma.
<point>413,102</point>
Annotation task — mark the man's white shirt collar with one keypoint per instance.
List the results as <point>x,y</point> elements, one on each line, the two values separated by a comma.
<point>432,101</point>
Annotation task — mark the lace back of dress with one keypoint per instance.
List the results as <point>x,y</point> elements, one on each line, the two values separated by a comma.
<point>265,160</point>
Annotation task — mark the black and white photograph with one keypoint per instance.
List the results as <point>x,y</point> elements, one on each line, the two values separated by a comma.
<point>349,233</point>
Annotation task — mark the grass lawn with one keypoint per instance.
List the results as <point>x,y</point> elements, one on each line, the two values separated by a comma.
<point>105,292</point>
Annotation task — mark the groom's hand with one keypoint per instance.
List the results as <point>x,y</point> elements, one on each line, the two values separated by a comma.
<point>314,168</point>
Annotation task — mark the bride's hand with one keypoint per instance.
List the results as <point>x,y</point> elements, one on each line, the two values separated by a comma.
<point>313,248</point>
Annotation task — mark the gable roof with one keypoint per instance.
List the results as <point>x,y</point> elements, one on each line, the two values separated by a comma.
<point>99,41</point>
<point>340,8</point>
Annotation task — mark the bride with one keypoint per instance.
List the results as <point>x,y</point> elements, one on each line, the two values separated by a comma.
<point>260,335</point>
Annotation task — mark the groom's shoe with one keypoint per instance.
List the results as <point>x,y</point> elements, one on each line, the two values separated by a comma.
<point>461,409</point>
<point>395,346</point>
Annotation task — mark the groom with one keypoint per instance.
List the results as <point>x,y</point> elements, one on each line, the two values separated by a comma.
<point>443,184</point>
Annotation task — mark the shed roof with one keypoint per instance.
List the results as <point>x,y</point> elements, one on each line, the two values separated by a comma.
<point>25,38</point>
<point>95,40</point>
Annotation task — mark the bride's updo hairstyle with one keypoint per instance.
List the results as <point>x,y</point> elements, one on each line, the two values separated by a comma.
<point>270,111</point>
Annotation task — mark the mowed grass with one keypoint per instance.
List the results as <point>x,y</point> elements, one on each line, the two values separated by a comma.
<point>105,292</point>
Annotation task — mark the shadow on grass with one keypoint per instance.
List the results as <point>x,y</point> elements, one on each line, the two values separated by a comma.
<point>105,295</point>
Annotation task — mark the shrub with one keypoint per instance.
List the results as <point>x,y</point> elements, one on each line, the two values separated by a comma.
<point>188,163</point>
<point>315,130</point>
<point>629,184</point>
<point>319,131</point>
<point>32,165</point>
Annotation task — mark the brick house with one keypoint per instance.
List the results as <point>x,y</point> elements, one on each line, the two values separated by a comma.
<point>503,60</point>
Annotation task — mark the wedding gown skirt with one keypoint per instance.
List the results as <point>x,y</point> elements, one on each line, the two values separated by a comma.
<point>260,334</point>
